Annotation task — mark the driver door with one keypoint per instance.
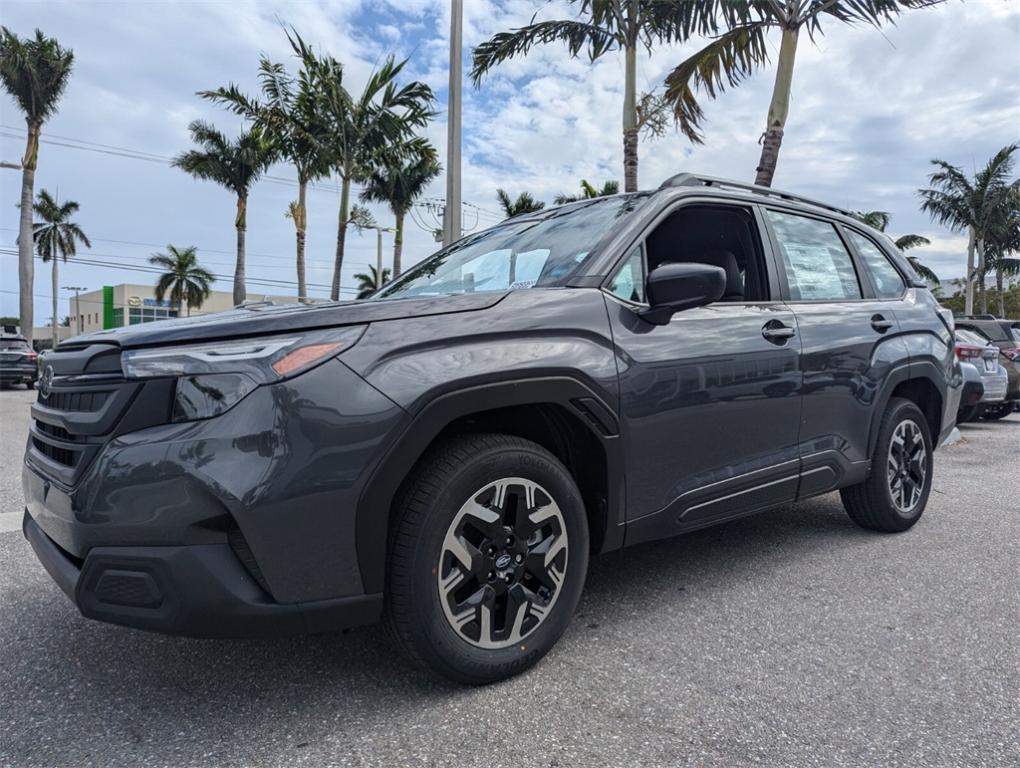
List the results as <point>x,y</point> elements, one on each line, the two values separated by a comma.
<point>710,402</point>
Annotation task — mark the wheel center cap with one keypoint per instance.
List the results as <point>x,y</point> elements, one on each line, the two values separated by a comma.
<point>503,561</point>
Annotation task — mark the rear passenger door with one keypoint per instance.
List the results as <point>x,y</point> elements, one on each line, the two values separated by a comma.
<point>850,344</point>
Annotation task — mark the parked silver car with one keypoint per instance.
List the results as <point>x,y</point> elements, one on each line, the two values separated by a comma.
<point>974,350</point>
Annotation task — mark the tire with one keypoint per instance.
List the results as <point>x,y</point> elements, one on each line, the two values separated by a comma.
<point>891,502</point>
<point>447,506</point>
<point>998,412</point>
<point>969,413</point>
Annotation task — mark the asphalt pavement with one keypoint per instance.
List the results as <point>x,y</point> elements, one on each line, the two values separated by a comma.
<point>789,638</point>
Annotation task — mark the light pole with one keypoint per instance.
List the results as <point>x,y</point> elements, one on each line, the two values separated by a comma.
<point>451,212</point>
<point>378,254</point>
<point>77,306</point>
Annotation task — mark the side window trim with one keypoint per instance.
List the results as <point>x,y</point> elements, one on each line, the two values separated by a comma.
<point>864,282</point>
<point>844,230</point>
<point>775,284</point>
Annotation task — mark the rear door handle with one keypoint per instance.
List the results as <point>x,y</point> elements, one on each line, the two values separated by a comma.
<point>880,324</point>
<point>777,333</point>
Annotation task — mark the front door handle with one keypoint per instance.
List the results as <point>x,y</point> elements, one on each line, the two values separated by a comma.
<point>880,324</point>
<point>777,333</point>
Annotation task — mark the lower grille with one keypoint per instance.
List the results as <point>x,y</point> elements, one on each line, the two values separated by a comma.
<point>63,456</point>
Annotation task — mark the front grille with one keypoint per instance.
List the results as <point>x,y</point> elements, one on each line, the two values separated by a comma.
<point>62,456</point>
<point>58,432</point>
<point>81,402</point>
<point>84,402</point>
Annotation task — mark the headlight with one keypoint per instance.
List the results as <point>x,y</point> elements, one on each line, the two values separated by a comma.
<point>213,377</point>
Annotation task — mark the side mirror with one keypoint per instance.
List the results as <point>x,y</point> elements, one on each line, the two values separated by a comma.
<point>675,287</point>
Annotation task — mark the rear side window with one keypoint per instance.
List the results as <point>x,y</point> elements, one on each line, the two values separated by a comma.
<point>818,265</point>
<point>888,283</point>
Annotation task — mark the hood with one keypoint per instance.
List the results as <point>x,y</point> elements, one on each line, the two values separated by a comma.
<point>262,319</point>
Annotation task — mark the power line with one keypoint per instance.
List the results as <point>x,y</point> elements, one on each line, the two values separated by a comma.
<point>13,132</point>
<point>275,257</point>
<point>153,270</point>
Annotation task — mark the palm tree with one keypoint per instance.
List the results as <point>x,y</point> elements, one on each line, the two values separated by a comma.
<point>589,192</point>
<point>525,203</point>
<point>602,26</point>
<point>972,205</point>
<point>289,113</point>
<point>184,279</point>
<point>743,49</point>
<point>369,282</point>
<point>1004,239</point>
<point>56,236</point>
<point>880,220</point>
<point>399,182</point>
<point>365,129</point>
<point>235,165</point>
<point>34,71</point>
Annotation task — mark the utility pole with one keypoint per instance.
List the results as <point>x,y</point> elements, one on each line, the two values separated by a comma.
<point>378,254</point>
<point>451,211</point>
<point>77,306</point>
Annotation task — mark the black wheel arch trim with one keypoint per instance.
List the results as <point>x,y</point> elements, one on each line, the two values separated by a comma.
<point>376,499</point>
<point>907,371</point>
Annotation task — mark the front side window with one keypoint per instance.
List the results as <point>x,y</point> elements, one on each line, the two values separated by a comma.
<point>818,265</point>
<point>629,281</point>
<point>888,283</point>
<point>518,254</point>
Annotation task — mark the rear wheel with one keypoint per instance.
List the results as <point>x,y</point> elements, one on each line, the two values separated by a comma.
<point>894,496</point>
<point>487,558</point>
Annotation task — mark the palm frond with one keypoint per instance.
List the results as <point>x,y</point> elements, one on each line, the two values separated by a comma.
<point>875,219</point>
<point>906,242</point>
<point>727,60</point>
<point>578,35</point>
<point>35,72</point>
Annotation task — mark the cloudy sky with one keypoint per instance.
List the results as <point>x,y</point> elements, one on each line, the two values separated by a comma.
<point>870,109</point>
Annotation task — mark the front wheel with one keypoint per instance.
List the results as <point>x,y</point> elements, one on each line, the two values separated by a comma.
<point>488,556</point>
<point>894,496</point>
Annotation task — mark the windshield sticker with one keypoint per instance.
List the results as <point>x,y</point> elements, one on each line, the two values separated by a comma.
<point>520,284</point>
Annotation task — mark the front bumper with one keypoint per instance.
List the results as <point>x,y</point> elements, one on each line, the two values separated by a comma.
<point>242,524</point>
<point>200,590</point>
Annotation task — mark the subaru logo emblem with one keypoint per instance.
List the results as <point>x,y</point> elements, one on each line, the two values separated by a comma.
<point>503,561</point>
<point>46,381</point>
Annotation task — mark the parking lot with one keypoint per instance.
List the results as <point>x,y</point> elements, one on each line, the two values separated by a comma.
<point>790,638</point>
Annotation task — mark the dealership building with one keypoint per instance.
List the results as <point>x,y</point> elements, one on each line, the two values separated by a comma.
<point>114,306</point>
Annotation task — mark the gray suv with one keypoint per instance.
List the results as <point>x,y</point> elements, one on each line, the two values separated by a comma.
<point>448,454</point>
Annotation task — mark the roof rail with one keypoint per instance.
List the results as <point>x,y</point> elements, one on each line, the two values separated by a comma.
<point>694,180</point>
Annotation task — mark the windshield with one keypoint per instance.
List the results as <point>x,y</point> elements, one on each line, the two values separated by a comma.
<point>517,254</point>
<point>17,344</point>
